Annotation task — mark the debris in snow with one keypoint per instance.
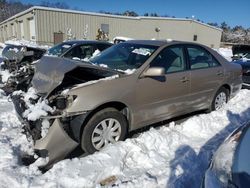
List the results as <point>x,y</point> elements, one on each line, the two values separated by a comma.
<point>108,181</point>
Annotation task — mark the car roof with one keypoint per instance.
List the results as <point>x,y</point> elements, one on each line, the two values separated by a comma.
<point>86,42</point>
<point>160,42</point>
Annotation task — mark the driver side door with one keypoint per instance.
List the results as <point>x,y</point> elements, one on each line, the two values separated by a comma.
<point>160,98</point>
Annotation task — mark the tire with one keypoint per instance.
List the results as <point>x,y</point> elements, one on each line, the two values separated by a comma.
<point>222,93</point>
<point>92,135</point>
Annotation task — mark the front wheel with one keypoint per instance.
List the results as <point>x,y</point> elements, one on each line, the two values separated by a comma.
<point>104,127</point>
<point>220,99</point>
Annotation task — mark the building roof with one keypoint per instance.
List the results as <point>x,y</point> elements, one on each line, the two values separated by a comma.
<point>104,15</point>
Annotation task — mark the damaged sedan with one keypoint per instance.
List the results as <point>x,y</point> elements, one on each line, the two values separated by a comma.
<point>126,87</point>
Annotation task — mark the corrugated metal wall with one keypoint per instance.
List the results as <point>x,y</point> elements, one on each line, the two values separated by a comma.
<point>144,28</point>
<point>6,32</point>
<point>49,21</point>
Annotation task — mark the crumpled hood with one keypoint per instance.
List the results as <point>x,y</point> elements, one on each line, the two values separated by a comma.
<point>50,72</point>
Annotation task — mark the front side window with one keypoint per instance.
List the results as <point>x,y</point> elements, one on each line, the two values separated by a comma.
<point>171,58</point>
<point>201,58</point>
<point>124,56</point>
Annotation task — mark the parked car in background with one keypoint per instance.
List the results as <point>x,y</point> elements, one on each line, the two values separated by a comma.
<point>137,83</point>
<point>78,50</point>
<point>16,56</point>
<point>230,166</point>
<point>242,57</point>
<point>240,51</point>
<point>17,60</point>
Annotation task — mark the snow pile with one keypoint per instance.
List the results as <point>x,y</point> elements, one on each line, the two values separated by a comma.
<point>226,52</point>
<point>13,145</point>
<point>167,156</point>
<point>26,43</point>
<point>37,110</point>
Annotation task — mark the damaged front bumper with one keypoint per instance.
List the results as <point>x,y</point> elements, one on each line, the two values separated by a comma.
<point>63,136</point>
<point>56,145</point>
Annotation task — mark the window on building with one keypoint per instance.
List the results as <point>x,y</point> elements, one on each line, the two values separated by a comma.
<point>195,38</point>
<point>12,30</point>
<point>105,28</point>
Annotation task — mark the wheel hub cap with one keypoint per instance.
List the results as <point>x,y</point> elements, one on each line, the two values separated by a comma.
<point>220,100</point>
<point>107,131</point>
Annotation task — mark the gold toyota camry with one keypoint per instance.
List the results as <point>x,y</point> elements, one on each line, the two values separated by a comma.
<point>126,87</point>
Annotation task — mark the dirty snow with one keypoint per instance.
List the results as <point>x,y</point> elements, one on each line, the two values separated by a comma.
<point>167,156</point>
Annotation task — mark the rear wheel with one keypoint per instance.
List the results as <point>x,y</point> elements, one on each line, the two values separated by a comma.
<point>220,99</point>
<point>105,127</point>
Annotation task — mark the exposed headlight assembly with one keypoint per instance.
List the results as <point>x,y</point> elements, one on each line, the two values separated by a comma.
<point>62,102</point>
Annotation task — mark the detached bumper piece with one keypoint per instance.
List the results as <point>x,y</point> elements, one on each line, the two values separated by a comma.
<point>56,145</point>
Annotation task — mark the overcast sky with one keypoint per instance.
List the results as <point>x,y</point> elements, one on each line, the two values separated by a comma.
<point>231,11</point>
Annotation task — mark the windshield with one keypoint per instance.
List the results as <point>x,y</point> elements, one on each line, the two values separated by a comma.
<point>124,56</point>
<point>59,49</point>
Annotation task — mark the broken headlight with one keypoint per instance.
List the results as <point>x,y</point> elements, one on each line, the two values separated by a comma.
<point>61,102</point>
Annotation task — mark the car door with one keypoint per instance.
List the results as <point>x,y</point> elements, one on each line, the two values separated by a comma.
<point>160,98</point>
<point>207,75</point>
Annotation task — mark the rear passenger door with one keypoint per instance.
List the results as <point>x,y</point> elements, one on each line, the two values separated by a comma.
<point>207,75</point>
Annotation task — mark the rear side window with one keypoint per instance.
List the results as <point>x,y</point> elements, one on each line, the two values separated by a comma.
<point>201,58</point>
<point>80,52</point>
<point>170,58</point>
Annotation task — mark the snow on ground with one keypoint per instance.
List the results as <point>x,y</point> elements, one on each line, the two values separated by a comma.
<point>167,156</point>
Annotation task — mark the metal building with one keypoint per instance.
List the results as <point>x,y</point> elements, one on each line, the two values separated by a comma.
<point>49,26</point>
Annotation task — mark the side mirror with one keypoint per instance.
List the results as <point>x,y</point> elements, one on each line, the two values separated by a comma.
<point>28,53</point>
<point>154,71</point>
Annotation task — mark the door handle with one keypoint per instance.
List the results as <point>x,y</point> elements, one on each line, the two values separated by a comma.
<point>184,79</point>
<point>220,73</point>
